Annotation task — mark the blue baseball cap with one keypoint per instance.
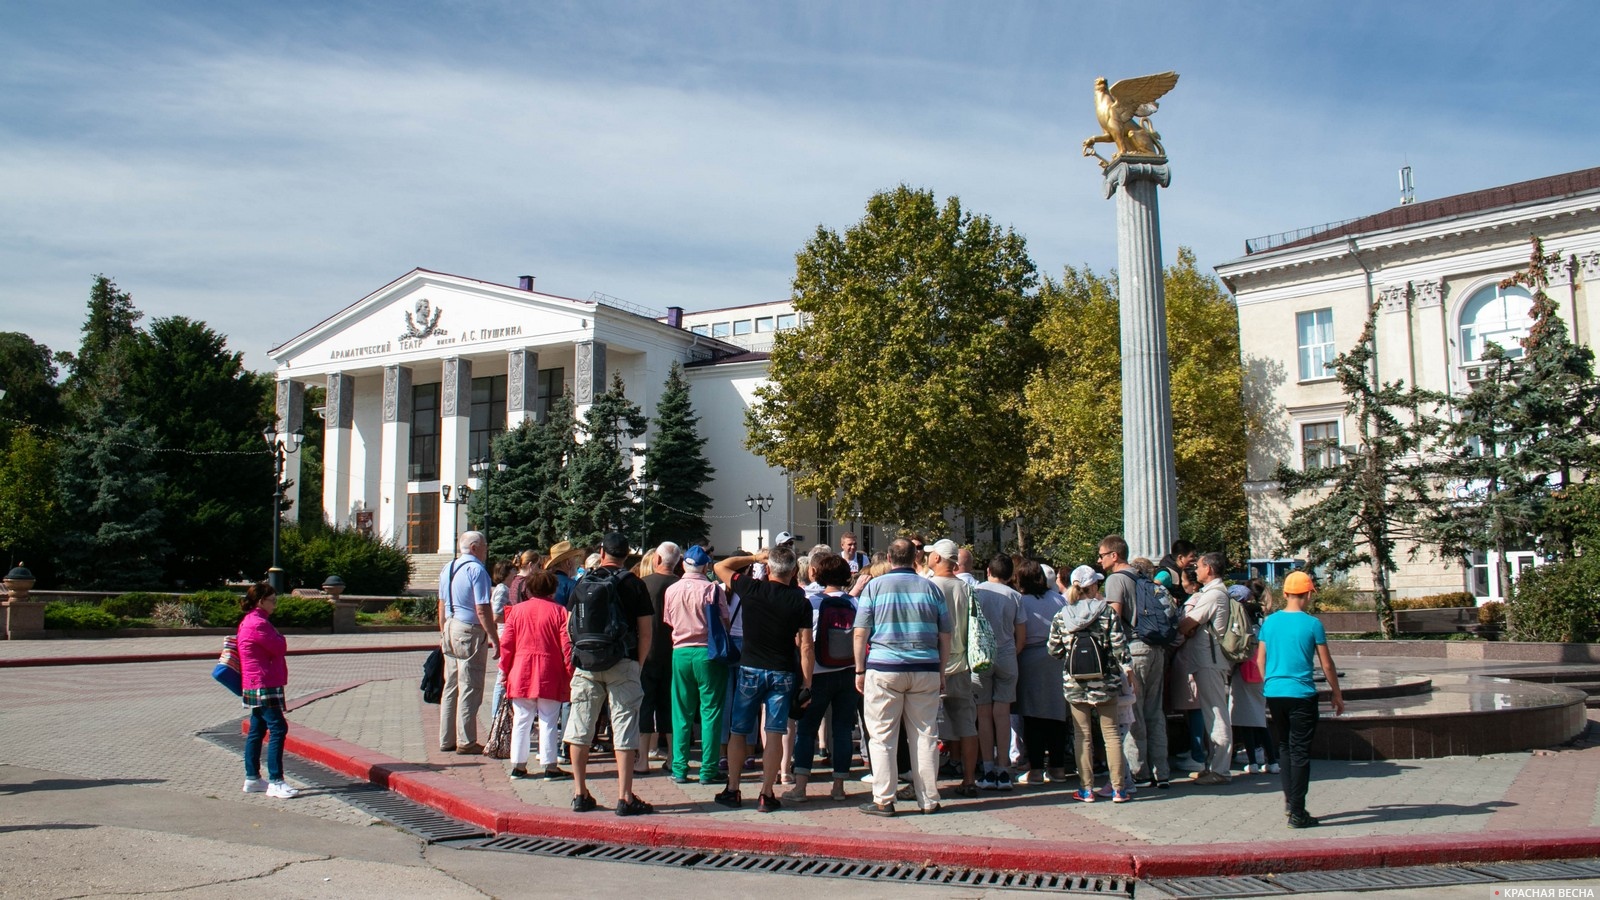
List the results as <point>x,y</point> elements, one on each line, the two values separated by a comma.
<point>697,556</point>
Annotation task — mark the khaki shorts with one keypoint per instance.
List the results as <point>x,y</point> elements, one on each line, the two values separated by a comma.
<point>994,686</point>
<point>960,713</point>
<point>590,690</point>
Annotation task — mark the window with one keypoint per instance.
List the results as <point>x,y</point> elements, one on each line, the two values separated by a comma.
<point>547,392</point>
<point>702,330</point>
<point>1319,445</point>
<point>422,522</point>
<point>424,433</point>
<point>741,327</point>
<point>1315,329</point>
<point>763,325</point>
<point>786,321</point>
<point>1497,314</point>
<point>719,330</point>
<point>488,416</point>
<point>824,522</point>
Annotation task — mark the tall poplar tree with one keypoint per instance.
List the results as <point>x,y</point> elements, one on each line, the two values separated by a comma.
<point>676,466</point>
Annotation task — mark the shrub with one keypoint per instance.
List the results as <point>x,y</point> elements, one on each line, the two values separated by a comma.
<point>71,615</point>
<point>1436,601</point>
<point>368,565</point>
<point>420,609</point>
<point>173,614</point>
<point>1557,602</point>
<point>137,605</point>
<point>1336,595</point>
<point>1492,615</point>
<point>302,612</point>
<point>220,609</point>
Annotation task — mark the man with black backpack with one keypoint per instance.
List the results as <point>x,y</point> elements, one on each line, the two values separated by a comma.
<point>1147,620</point>
<point>609,621</point>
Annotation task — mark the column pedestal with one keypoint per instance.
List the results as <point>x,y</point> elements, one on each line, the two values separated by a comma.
<point>1149,470</point>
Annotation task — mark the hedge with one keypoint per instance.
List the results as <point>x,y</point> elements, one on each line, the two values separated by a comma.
<point>74,616</point>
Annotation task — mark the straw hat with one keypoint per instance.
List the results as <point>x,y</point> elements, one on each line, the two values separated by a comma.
<point>562,552</point>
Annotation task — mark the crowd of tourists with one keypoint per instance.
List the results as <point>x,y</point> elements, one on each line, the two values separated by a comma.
<point>779,666</point>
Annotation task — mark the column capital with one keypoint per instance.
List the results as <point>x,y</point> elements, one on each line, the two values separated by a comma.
<point>1392,298</point>
<point>1589,265</point>
<point>1428,293</point>
<point>1127,169</point>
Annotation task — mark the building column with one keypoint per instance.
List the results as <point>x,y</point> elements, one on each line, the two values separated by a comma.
<point>395,456</point>
<point>589,359</point>
<point>455,430</point>
<point>291,418</point>
<point>1149,470</point>
<point>522,386</point>
<point>339,421</point>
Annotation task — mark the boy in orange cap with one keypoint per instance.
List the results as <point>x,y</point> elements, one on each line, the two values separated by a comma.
<point>1294,636</point>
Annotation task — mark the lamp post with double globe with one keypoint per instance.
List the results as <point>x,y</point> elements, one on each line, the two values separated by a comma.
<point>280,444</point>
<point>760,504</point>
<point>483,470</point>
<point>463,493</point>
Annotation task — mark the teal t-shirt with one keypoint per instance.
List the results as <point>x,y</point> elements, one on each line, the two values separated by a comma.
<point>1292,639</point>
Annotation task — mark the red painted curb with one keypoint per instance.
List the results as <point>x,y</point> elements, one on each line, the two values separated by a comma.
<point>492,811</point>
<point>188,655</point>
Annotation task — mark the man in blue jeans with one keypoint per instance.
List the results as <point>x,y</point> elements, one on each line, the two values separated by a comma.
<point>1289,640</point>
<point>777,653</point>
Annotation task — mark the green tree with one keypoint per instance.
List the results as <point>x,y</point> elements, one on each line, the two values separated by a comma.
<point>112,318</point>
<point>204,409</point>
<point>597,484</point>
<point>1375,496</point>
<point>1074,412</point>
<point>526,502</point>
<point>676,465</point>
<point>28,377</point>
<point>30,505</point>
<point>903,393</point>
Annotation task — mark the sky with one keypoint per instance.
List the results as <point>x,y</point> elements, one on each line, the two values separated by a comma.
<point>260,166</point>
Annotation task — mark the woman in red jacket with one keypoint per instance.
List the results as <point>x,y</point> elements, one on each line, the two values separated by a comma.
<point>264,673</point>
<point>536,657</point>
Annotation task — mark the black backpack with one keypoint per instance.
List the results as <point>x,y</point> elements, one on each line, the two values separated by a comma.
<point>1151,616</point>
<point>433,677</point>
<point>1085,659</point>
<point>835,641</point>
<point>596,621</point>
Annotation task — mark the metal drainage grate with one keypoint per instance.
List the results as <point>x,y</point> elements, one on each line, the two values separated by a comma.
<point>1205,888</point>
<point>378,802</point>
<point>1374,879</point>
<point>1563,870</point>
<point>827,868</point>
<point>1378,879</point>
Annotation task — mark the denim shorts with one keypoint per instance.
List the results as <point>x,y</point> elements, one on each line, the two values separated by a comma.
<point>762,687</point>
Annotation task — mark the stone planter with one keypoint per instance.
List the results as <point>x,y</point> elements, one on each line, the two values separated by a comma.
<point>24,617</point>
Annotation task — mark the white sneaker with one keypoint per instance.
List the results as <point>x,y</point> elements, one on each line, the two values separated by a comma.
<point>1273,768</point>
<point>254,785</point>
<point>867,778</point>
<point>1250,769</point>
<point>281,790</point>
<point>1185,764</point>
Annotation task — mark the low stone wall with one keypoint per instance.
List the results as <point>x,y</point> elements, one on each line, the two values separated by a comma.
<point>1489,651</point>
<point>1351,622</point>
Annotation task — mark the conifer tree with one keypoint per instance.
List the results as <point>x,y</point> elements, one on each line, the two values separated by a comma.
<point>676,466</point>
<point>111,319</point>
<point>598,486</point>
<point>1374,496</point>
<point>526,501</point>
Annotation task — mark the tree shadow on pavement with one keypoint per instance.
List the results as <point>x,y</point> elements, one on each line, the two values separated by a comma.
<point>71,784</point>
<point>55,826</point>
<point>1401,812</point>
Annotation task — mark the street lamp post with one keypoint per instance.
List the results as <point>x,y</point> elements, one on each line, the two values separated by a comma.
<point>280,444</point>
<point>646,491</point>
<point>760,504</point>
<point>463,492</point>
<point>482,469</point>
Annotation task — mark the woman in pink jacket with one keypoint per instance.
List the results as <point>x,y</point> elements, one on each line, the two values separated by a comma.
<point>264,673</point>
<point>536,657</point>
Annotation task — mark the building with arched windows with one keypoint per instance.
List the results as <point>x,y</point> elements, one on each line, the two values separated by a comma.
<point>1434,268</point>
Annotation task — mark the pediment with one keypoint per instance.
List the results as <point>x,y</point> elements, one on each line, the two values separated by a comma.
<point>425,315</point>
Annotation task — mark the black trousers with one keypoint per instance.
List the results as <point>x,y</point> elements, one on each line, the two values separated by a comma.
<point>1294,724</point>
<point>1046,738</point>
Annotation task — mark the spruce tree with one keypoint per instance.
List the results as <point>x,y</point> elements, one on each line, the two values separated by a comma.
<point>676,466</point>
<point>1374,496</point>
<point>111,319</point>
<point>524,505</point>
<point>598,486</point>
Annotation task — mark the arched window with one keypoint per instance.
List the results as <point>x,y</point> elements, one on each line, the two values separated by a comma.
<point>1494,313</point>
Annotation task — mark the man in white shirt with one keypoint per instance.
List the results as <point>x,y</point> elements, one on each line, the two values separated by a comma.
<point>1205,615</point>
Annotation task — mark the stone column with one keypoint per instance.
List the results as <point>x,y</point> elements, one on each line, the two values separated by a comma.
<point>291,418</point>
<point>522,386</point>
<point>589,378</point>
<point>1149,473</point>
<point>338,416</point>
<point>455,430</point>
<point>395,457</point>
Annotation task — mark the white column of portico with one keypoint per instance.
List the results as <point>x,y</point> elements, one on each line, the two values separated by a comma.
<point>455,428</point>
<point>396,453</point>
<point>522,386</point>
<point>291,418</point>
<point>589,377</point>
<point>339,415</point>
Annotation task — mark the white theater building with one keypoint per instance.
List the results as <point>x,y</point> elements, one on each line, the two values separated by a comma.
<point>1434,267</point>
<point>424,372</point>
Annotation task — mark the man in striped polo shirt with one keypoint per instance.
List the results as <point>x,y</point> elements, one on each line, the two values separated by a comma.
<point>902,639</point>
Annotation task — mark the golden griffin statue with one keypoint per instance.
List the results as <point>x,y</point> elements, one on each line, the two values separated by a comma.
<point>1118,106</point>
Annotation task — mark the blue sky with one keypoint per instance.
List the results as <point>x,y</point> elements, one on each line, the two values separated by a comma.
<point>262,165</point>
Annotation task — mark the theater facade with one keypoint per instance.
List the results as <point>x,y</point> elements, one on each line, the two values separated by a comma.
<point>424,372</point>
<point>1434,269</point>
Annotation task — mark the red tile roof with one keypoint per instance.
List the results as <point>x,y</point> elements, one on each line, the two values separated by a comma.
<point>1545,188</point>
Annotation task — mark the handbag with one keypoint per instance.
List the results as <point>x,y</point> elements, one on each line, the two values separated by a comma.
<point>1250,672</point>
<point>719,644</point>
<point>226,671</point>
<point>433,677</point>
<point>498,746</point>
